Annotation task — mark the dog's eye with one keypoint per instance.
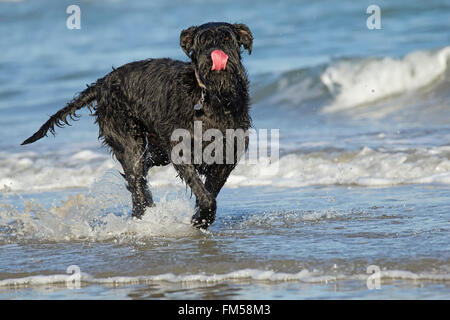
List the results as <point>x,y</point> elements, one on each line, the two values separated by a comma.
<point>227,38</point>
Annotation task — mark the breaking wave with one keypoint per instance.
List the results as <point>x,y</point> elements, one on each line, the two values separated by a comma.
<point>346,83</point>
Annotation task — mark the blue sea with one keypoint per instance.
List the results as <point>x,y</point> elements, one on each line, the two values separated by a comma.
<point>356,207</point>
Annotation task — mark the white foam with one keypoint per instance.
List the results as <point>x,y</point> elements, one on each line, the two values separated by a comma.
<point>290,219</point>
<point>355,82</point>
<point>86,155</point>
<point>234,276</point>
<point>29,171</point>
<point>366,167</point>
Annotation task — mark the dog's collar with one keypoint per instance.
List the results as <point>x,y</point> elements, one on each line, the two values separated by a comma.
<point>199,80</point>
<point>199,106</point>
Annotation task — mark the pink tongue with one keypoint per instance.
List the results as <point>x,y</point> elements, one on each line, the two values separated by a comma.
<point>219,59</point>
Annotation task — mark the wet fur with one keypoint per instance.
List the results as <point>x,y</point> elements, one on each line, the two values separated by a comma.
<point>139,105</point>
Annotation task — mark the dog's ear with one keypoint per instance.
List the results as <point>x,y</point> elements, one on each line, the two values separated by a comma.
<point>187,39</point>
<point>245,36</point>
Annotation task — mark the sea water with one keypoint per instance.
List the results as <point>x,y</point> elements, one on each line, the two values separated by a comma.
<point>356,207</point>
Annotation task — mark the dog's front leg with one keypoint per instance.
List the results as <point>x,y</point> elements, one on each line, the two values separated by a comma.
<point>216,176</point>
<point>205,211</point>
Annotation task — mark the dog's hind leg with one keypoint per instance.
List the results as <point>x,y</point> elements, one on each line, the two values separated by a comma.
<point>132,153</point>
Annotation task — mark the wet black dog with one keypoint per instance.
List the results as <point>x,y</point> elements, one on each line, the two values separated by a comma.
<point>139,105</point>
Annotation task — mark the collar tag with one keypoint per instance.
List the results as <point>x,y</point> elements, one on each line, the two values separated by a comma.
<point>199,105</point>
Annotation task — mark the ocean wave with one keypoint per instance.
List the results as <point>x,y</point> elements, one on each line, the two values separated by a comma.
<point>34,172</point>
<point>246,275</point>
<point>30,172</point>
<point>347,83</point>
<point>365,167</point>
<point>357,82</point>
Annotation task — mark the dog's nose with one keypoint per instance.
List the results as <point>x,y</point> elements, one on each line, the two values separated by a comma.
<point>219,59</point>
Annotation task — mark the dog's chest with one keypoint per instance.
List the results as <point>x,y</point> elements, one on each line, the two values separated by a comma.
<point>216,119</point>
<point>211,121</point>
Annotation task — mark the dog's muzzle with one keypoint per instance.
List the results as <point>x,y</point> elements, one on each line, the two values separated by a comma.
<point>219,59</point>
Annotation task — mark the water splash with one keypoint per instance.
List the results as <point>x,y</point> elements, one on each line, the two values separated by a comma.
<point>100,214</point>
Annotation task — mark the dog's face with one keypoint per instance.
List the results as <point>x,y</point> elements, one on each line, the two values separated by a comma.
<point>215,48</point>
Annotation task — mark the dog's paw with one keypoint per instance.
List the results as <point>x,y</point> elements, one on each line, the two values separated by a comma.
<point>203,218</point>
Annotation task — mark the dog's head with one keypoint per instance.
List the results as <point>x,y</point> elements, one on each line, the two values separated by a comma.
<point>215,48</point>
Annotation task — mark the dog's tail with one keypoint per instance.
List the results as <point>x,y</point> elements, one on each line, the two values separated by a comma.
<point>85,98</point>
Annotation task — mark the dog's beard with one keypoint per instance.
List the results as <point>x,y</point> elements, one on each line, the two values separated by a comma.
<point>222,81</point>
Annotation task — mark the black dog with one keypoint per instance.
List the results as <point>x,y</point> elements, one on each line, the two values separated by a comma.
<point>139,105</point>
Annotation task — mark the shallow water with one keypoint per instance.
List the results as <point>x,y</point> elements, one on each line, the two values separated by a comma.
<point>362,183</point>
<point>307,242</point>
